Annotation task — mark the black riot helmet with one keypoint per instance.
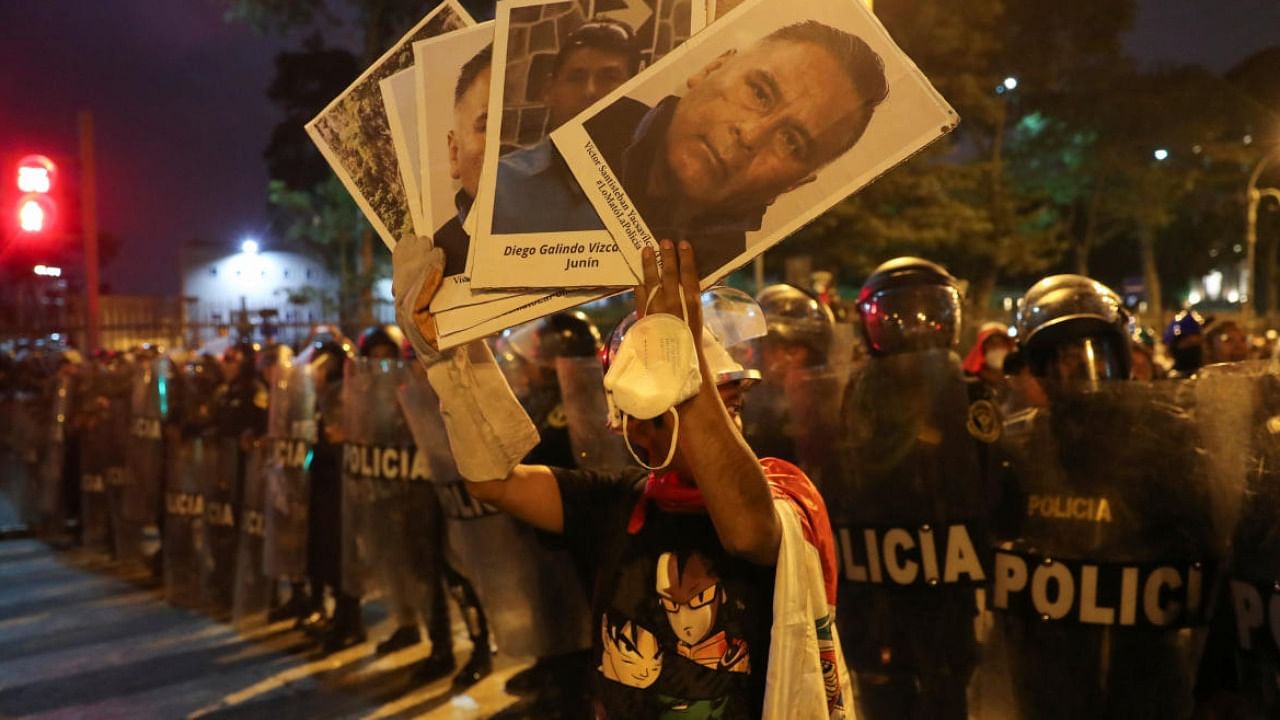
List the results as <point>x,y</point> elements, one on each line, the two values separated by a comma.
<point>794,317</point>
<point>1072,327</point>
<point>328,359</point>
<point>387,341</point>
<point>909,305</point>
<point>564,334</point>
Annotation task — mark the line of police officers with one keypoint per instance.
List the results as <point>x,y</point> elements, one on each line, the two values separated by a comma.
<point>1085,546</point>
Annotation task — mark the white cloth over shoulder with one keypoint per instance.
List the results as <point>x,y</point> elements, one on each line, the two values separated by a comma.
<point>795,686</point>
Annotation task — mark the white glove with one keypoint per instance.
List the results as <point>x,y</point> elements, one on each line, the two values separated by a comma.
<point>417,271</point>
<point>489,432</point>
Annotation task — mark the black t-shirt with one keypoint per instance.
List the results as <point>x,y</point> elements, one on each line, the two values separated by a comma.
<point>681,628</point>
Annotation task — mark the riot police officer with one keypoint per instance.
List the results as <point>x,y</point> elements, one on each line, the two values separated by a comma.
<point>780,416</point>
<point>1184,337</point>
<point>1114,522</point>
<point>528,356</point>
<point>325,536</point>
<point>911,508</point>
<point>238,418</point>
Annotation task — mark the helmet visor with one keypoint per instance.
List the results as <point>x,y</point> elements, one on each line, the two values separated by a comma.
<point>1087,359</point>
<point>911,319</point>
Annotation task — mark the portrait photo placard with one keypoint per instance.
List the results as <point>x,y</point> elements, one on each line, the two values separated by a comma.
<point>735,140</point>
<point>354,136</point>
<point>453,73</point>
<point>535,228</point>
<point>400,96</point>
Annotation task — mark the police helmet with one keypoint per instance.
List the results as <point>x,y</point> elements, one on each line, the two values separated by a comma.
<point>328,358</point>
<point>1187,323</point>
<point>1077,325</point>
<point>909,304</point>
<point>386,337</point>
<point>795,317</point>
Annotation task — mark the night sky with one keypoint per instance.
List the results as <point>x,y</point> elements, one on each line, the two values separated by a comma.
<point>182,117</point>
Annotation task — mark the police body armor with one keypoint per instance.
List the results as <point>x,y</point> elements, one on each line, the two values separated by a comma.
<point>252,584</point>
<point>1242,658</point>
<point>1114,525</point>
<point>386,493</point>
<point>291,438</point>
<point>143,490</point>
<point>911,515</point>
<point>531,594</point>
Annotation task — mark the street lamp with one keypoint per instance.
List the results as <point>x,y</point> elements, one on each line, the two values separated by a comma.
<point>249,247</point>
<point>1160,154</point>
<point>1254,196</point>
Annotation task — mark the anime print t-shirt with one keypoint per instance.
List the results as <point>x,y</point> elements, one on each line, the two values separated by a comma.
<point>681,628</point>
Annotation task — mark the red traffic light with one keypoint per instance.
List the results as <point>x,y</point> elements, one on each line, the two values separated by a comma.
<point>36,174</point>
<point>36,180</point>
<point>35,213</point>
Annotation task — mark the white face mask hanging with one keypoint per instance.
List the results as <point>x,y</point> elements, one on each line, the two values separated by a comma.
<point>656,369</point>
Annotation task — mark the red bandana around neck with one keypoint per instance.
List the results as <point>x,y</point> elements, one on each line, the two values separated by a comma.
<point>670,494</point>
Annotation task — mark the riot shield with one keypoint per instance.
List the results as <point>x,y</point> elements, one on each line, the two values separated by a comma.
<point>125,535</point>
<point>184,534</point>
<point>1242,659</point>
<point>98,454</point>
<point>595,447</point>
<point>1114,527</point>
<point>220,488</point>
<point>144,452</point>
<point>291,437</point>
<point>796,417</point>
<point>910,505</point>
<point>529,592</point>
<point>252,584</point>
<point>385,503</point>
<point>51,511</point>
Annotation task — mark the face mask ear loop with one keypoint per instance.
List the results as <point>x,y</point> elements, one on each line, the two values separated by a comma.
<point>671,452</point>
<point>684,307</point>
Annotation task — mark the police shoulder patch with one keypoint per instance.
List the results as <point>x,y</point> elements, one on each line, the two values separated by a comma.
<point>558,418</point>
<point>984,422</point>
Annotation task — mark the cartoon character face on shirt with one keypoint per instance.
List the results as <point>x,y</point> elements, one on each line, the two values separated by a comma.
<point>690,594</point>
<point>631,656</point>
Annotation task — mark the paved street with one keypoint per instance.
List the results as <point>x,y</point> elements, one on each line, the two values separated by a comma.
<point>79,639</point>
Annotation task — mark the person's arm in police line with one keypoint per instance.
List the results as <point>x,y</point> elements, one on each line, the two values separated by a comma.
<point>710,446</point>
<point>489,432</point>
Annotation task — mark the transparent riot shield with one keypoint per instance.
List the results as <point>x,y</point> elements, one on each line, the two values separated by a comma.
<point>595,447</point>
<point>98,453</point>
<point>291,438</point>
<point>252,584</point>
<point>1115,525</point>
<point>184,535</point>
<point>144,456</point>
<point>910,503</point>
<point>221,484</point>
<point>386,494</point>
<point>795,416</point>
<point>118,422</point>
<point>530,592</point>
<point>51,510</point>
<point>1241,666</point>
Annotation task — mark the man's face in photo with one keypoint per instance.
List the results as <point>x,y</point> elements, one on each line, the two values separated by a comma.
<point>759,123</point>
<point>466,140</point>
<point>586,75</point>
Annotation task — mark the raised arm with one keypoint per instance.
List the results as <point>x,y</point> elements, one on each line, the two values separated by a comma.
<point>710,446</point>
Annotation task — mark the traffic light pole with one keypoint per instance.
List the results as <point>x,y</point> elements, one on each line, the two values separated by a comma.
<point>89,220</point>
